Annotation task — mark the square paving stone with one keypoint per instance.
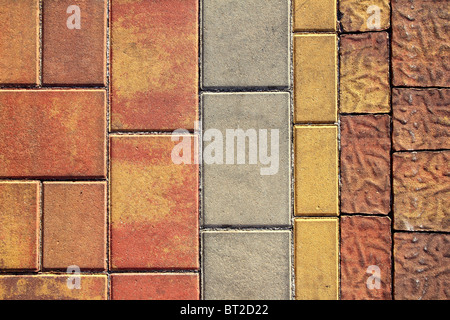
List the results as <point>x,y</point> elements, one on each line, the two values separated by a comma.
<point>361,15</point>
<point>314,15</point>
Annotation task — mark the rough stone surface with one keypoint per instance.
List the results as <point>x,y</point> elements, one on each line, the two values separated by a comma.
<point>355,14</point>
<point>365,164</point>
<point>420,43</point>
<point>422,266</point>
<point>365,242</point>
<point>315,15</point>
<point>365,86</point>
<point>421,119</point>
<point>237,194</point>
<point>246,43</point>
<point>246,265</point>
<point>422,191</point>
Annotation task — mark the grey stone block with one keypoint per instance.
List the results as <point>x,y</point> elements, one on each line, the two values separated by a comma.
<point>246,265</point>
<point>238,194</point>
<point>246,43</point>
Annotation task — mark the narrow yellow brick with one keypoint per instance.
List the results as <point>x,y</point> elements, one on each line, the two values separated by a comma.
<point>315,78</point>
<point>316,170</point>
<point>315,15</point>
<point>316,258</point>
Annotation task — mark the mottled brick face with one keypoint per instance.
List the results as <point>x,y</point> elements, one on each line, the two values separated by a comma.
<point>422,266</point>
<point>421,191</point>
<point>365,242</point>
<point>365,164</point>
<point>356,16</point>
<point>420,43</point>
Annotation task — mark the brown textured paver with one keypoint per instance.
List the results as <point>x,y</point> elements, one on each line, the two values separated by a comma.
<point>19,225</point>
<point>422,191</point>
<point>52,287</point>
<point>365,242</point>
<point>19,42</point>
<point>169,286</point>
<point>74,222</point>
<point>74,56</point>
<point>422,266</point>
<point>365,164</point>
<point>364,73</point>
<point>420,43</point>
<point>356,16</point>
<point>421,119</point>
<point>52,133</point>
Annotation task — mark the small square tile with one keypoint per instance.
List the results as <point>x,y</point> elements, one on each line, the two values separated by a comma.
<point>317,15</point>
<point>365,15</point>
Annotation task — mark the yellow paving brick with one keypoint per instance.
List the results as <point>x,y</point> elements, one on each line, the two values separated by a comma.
<point>317,258</point>
<point>316,170</point>
<point>315,15</point>
<point>315,78</point>
<point>365,15</point>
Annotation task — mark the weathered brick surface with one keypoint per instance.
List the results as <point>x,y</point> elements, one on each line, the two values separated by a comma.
<point>420,43</point>
<point>19,225</point>
<point>421,119</point>
<point>52,133</point>
<point>140,286</point>
<point>422,191</point>
<point>74,56</point>
<point>355,14</point>
<point>365,242</point>
<point>364,73</point>
<point>74,225</point>
<point>422,266</point>
<point>365,164</point>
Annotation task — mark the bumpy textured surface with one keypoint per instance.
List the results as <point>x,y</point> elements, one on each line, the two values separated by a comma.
<point>422,266</point>
<point>422,191</point>
<point>355,14</point>
<point>365,164</point>
<point>420,44</point>
<point>421,119</point>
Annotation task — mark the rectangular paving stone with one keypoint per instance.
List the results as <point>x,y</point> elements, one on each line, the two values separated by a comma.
<point>246,265</point>
<point>365,164</point>
<point>19,42</point>
<point>364,80</point>
<point>421,119</point>
<point>365,252</point>
<point>52,287</point>
<point>315,78</point>
<point>422,266</point>
<point>154,65</point>
<point>422,191</point>
<point>420,43</point>
<point>159,286</point>
<point>315,15</point>
<point>316,258</point>
<point>52,133</point>
<point>74,225</point>
<point>153,203</point>
<point>316,170</point>
<point>364,15</point>
<point>251,192</point>
<point>74,54</point>
<point>19,225</point>
<point>246,43</point>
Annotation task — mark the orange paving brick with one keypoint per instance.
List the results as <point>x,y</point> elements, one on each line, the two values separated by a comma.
<point>72,55</point>
<point>74,225</point>
<point>19,42</point>
<point>363,15</point>
<point>19,225</point>
<point>154,64</point>
<point>155,286</point>
<point>52,287</point>
<point>154,205</point>
<point>52,133</point>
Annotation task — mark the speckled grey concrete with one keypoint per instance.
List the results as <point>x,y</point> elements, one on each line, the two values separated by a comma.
<point>237,194</point>
<point>246,43</point>
<point>246,265</point>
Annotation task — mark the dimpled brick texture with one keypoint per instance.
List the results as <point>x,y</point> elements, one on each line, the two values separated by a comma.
<point>420,44</point>
<point>422,191</point>
<point>421,119</point>
<point>365,164</point>
<point>355,14</point>
<point>422,266</point>
<point>365,73</point>
<point>365,242</point>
